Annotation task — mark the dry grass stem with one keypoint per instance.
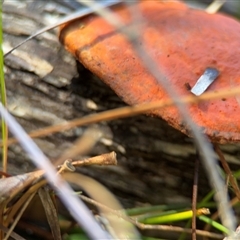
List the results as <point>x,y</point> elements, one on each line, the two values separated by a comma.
<point>18,205</point>
<point>194,198</point>
<point>215,6</point>
<point>129,111</point>
<point>13,234</point>
<point>51,212</point>
<point>22,209</point>
<point>83,144</point>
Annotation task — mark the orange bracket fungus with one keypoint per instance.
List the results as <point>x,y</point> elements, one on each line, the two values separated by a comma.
<point>185,43</point>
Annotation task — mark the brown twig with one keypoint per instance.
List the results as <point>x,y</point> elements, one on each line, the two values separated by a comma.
<point>50,212</point>
<point>13,234</point>
<point>103,159</point>
<point>194,197</point>
<point>13,211</point>
<point>19,216</point>
<point>227,170</point>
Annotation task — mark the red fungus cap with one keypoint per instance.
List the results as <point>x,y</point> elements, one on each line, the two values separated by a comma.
<point>184,42</point>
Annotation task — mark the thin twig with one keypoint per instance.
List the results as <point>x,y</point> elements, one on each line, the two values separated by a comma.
<point>227,170</point>
<point>73,16</point>
<point>13,234</point>
<point>103,159</point>
<point>50,212</point>
<point>194,197</point>
<point>125,112</point>
<point>18,205</point>
<point>19,216</point>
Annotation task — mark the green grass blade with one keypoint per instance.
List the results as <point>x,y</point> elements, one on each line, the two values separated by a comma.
<point>3,96</point>
<point>174,217</point>
<point>157,208</point>
<point>214,224</point>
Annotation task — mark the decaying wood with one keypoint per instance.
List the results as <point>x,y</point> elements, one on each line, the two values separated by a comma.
<point>45,86</point>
